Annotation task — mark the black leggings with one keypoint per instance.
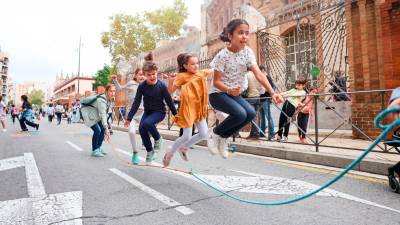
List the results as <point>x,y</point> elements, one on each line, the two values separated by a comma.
<point>302,122</point>
<point>284,123</point>
<point>395,168</point>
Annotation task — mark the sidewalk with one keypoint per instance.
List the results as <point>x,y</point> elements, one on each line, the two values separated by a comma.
<point>375,162</point>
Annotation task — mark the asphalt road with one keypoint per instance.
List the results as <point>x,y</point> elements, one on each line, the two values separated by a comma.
<point>49,177</point>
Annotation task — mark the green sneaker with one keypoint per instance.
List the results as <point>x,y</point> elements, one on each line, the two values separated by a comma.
<point>149,157</point>
<point>135,158</point>
<point>97,153</point>
<point>102,151</point>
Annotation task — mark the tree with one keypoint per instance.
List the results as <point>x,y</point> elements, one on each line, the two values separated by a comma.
<point>131,35</point>
<point>102,77</point>
<point>167,22</point>
<point>36,97</point>
<point>128,37</point>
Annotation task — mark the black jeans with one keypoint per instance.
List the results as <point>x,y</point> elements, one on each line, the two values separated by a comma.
<point>58,118</point>
<point>284,120</point>
<point>23,122</point>
<point>302,121</point>
<point>395,168</point>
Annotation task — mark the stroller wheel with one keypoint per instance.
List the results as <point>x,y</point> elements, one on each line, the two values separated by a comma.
<point>394,184</point>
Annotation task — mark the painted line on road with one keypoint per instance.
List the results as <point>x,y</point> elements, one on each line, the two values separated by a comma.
<point>33,179</point>
<point>76,147</point>
<point>157,195</point>
<point>12,163</point>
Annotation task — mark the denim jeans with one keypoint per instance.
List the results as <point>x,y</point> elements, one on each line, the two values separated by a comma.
<point>255,103</point>
<point>98,135</point>
<point>266,115</point>
<point>148,126</point>
<point>239,110</point>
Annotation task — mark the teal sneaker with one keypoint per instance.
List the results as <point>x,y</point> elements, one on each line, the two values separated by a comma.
<point>102,151</point>
<point>135,158</point>
<point>149,157</point>
<point>97,153</point>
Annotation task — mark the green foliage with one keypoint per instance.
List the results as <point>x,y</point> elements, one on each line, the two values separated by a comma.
<point>102,77</point>
<point>131,35</point>
<point>36,97</point>
<point>167,22</point>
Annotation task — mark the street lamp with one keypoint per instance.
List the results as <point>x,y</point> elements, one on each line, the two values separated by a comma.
<point>79,61</point>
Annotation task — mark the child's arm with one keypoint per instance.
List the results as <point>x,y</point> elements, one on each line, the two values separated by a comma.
<point>136,103</point>
<point>168,100</point>
<point>171,84</point>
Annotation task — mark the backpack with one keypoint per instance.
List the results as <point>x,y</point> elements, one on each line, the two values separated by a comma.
<point>87,102</point>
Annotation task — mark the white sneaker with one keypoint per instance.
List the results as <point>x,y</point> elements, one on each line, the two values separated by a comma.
<point>212,143</point>
<point>223,147</point>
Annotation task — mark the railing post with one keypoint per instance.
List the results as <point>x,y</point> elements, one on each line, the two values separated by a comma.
<point>168,119</point>
<point>315,99</point>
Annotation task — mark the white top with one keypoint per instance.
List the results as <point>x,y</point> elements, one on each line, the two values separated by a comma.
<point>2,109</point>
<point>233,66</point>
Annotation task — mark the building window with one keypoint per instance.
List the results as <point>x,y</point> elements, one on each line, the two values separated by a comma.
<point>300,53</point>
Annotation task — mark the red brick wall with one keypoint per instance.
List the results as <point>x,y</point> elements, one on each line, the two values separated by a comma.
<point>374,57</point>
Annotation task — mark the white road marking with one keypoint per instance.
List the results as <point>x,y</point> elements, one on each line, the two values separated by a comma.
<point>33,179</point>
<point>40,208</point>
<point>76,147</point>
<point>12,163</point>
<point>157,195</point>
<point>262,184</point>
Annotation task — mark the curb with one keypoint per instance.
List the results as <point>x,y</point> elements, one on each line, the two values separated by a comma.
<point>318,158</point>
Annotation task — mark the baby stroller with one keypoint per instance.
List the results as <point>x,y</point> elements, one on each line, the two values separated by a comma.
<point>394,182</point>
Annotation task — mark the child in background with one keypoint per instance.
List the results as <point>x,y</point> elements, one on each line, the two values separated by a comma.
<point>295,96</point>
<point>69,116</point>
<point>305,110</point>
<point>154,93</point>
<point>193,107</point>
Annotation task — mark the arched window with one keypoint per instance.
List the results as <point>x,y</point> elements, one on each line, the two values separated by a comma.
<point>300,53</point>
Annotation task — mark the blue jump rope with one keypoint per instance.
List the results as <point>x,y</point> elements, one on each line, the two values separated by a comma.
<point>385,130</point>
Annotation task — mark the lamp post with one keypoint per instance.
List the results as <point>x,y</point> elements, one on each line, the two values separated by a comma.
<point>79,61</point>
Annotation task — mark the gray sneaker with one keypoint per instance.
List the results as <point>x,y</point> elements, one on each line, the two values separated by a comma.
<point>158,144</point>
<point>149,157</point>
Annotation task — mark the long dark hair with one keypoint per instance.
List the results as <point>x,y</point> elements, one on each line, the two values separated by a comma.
<point>149,65</point>
<point>183,59</point>
<point>24,98</point>
<point>230,28</point>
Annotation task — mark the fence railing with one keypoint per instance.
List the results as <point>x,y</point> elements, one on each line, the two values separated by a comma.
<point>330,122</point>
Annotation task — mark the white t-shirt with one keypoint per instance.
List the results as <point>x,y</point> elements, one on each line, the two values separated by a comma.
<point>233,66</point>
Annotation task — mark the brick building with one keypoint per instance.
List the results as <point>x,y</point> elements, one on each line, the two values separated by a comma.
<point>4,60</point>
<point>66,88</point>
<point>356,39</point>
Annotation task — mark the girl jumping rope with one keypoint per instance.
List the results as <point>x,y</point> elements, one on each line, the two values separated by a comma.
<point>131,87</point>
<point>193,105</point>
<point>153,92</point>
<point>230,66</point>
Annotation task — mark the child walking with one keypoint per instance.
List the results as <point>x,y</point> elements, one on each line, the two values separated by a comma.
<point>131,88</point>
<point>305,109</point>
<point>3,115</point>
<point>193,107</point>
<point>154,93</point>
<point>230,66</point>
<point>295,96</point>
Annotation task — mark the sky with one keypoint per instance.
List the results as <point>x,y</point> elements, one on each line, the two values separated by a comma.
<point>41,37</point>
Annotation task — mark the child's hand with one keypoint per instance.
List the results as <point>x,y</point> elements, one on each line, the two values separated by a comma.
<point>127,123</point>
<point>277,98</point>
<point>235,91</point>
<point>172,76</point>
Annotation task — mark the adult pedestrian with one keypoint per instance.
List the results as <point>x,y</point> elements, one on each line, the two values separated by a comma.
<point>3,114</point>
<point>59,111</point>
<point>50,112</point>
<point>265,111</point>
